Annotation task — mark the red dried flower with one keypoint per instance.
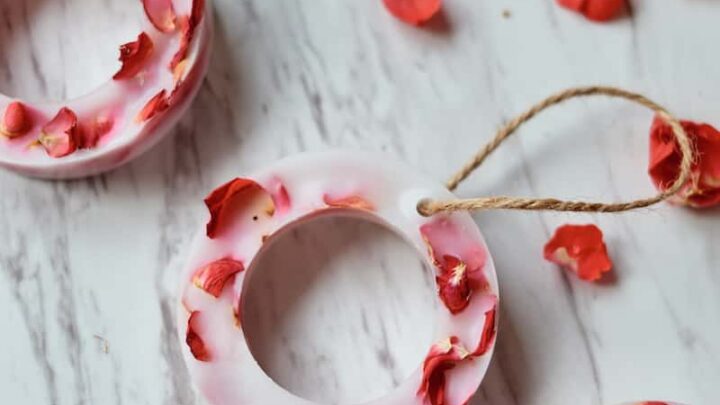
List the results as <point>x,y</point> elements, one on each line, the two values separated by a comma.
<point>596,10</point>
<point>188,25</point>
<point>413,11</point>
<point>161,14</point>
<point>134,56</point>
<point>194,341</point>
<point>581,248</point>
<point>354,202</point>
<point>453,283</point>
<point>703,188</point>
<point>213,277</point>
<point>442,357</point>
<point>159,103</point>
<point>488,334</point>
<point>59,137</point>
<point>224,197</point>
<point>16,121</point>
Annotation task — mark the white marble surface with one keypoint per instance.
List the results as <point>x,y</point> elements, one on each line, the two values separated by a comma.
<point>88,268</point>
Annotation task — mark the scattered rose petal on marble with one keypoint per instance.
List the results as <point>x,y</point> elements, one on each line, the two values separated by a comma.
<point>16,120</point>
<point>157,104</point>
<point>134,56</point>
<point>488,334</point>
<point>188,25</point>
<point>194,341</point>
<point>353,201</point>
<point>443,356</point>
<point>213,277</point>
<point>59,136</point>
<point>454,284</point>
<point>580,248</point>
<point>226,196</point>
<point>413,12</point>
<point>703,188</point>
<point>161,14</point>
<point>596,10</point>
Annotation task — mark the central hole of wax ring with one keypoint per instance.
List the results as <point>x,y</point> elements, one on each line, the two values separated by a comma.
<point>59,50</point>
<point>339,309</point>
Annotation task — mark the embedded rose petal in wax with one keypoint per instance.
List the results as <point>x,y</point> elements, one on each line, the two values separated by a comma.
<point>161,14</point>
<point>16,121</point>
<point>59,136</point>
<point>188,25</point>
<point>703,188</point>
<point>213,277</point>
<point>580,248</point>
<point>280,196</point>
<point>155,106</point>
<point>194,341</point>
<point>453,284</point>
<point>443,356</point>
<point>596,10</point>
<point>413,11</point>
<point>353,201</point>
<point>134,57</point>
<point>488,334</point>
<point>230,198</point>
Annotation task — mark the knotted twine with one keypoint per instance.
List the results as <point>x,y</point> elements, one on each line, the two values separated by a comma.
<point>431,207</point>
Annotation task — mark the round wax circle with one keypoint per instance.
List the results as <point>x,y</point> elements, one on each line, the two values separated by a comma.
<point>247,214</point>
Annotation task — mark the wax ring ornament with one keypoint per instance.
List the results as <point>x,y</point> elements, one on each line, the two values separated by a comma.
<point>247,215</point>
<point>159,74</point>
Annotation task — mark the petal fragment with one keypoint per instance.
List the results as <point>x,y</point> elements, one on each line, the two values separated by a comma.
<point>161,14</point>
<point>134,56</point>
<point>443,356</point>
<point>596,10</point>
<point>213,277</point>
<point>59,136</point>
<point>353,201</point>
<point>16,121</point>
<point>194,341</point>
<point>413,12</point>
<point>454,284</point>
<point>223,198</point>
<point>159,103</point>
<point>703,189</point>
<point>188,26</point>
<point>488,334</point>
<point>580,248</point>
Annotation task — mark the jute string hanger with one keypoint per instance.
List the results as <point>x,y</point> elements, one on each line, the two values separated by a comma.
<point>431,207</point>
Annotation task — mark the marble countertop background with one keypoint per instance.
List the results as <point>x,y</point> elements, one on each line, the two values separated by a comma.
<point>88,268</point>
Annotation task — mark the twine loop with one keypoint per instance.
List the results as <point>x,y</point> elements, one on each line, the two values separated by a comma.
<point>432,207</point>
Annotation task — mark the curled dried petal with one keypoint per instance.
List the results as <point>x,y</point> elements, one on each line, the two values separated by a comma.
<point>443,356</point>
<point>161,14</point>
<point>413,11</point>
<point>596,10</point>
<point>16,121</point>
<point>188,26</point>
<point>134,56</point>
<point>488,334</point>
<point>224,197</point>
<point>353,202</point>
<point>194,341</point>
<point>454,284</point>
<point>59,136</point>
<point>703,188</point>
<point>159,103</point>
<point>213,277</point>
<point>580,248</point>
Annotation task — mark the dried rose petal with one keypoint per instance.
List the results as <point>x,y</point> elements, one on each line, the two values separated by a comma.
<point>488,334</point>
<point>16,121</point>
<point>442,357</point>
<point>280,196</point>
<point>353,201</point>
<point>703,189</point>
<point>134,56</point>
<point>213,277</point>
<point>194,341</point>
<point>453,284</point>
<point>159,103</point>
<point>161,14</point>
<point>413,11</point>
<point>59,136</point>
<point>596,10</point>
<point>581,248</point>
<point>224,197</point>
<point>188,25</point>
<point>90,135</point>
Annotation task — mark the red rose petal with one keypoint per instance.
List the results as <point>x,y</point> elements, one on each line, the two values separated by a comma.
<point>134,56</point>
<point>159,103</point>
<point>59,136</point>
<point>353,202</point>
<point>280,196</point>
<point>194,341</point>
<point>227,196</point>
<point>161,14</point>
<point>703,188</point>
<point>454,284</point>
<point>442,357</point>
<point>16,121</point>
<point>188,25</point>
<point>413,11</point>
<point>488,334</point>
<point>580,248</point>
<point>596,10</point>
<point>213,277</point>
<point>90,135</point>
